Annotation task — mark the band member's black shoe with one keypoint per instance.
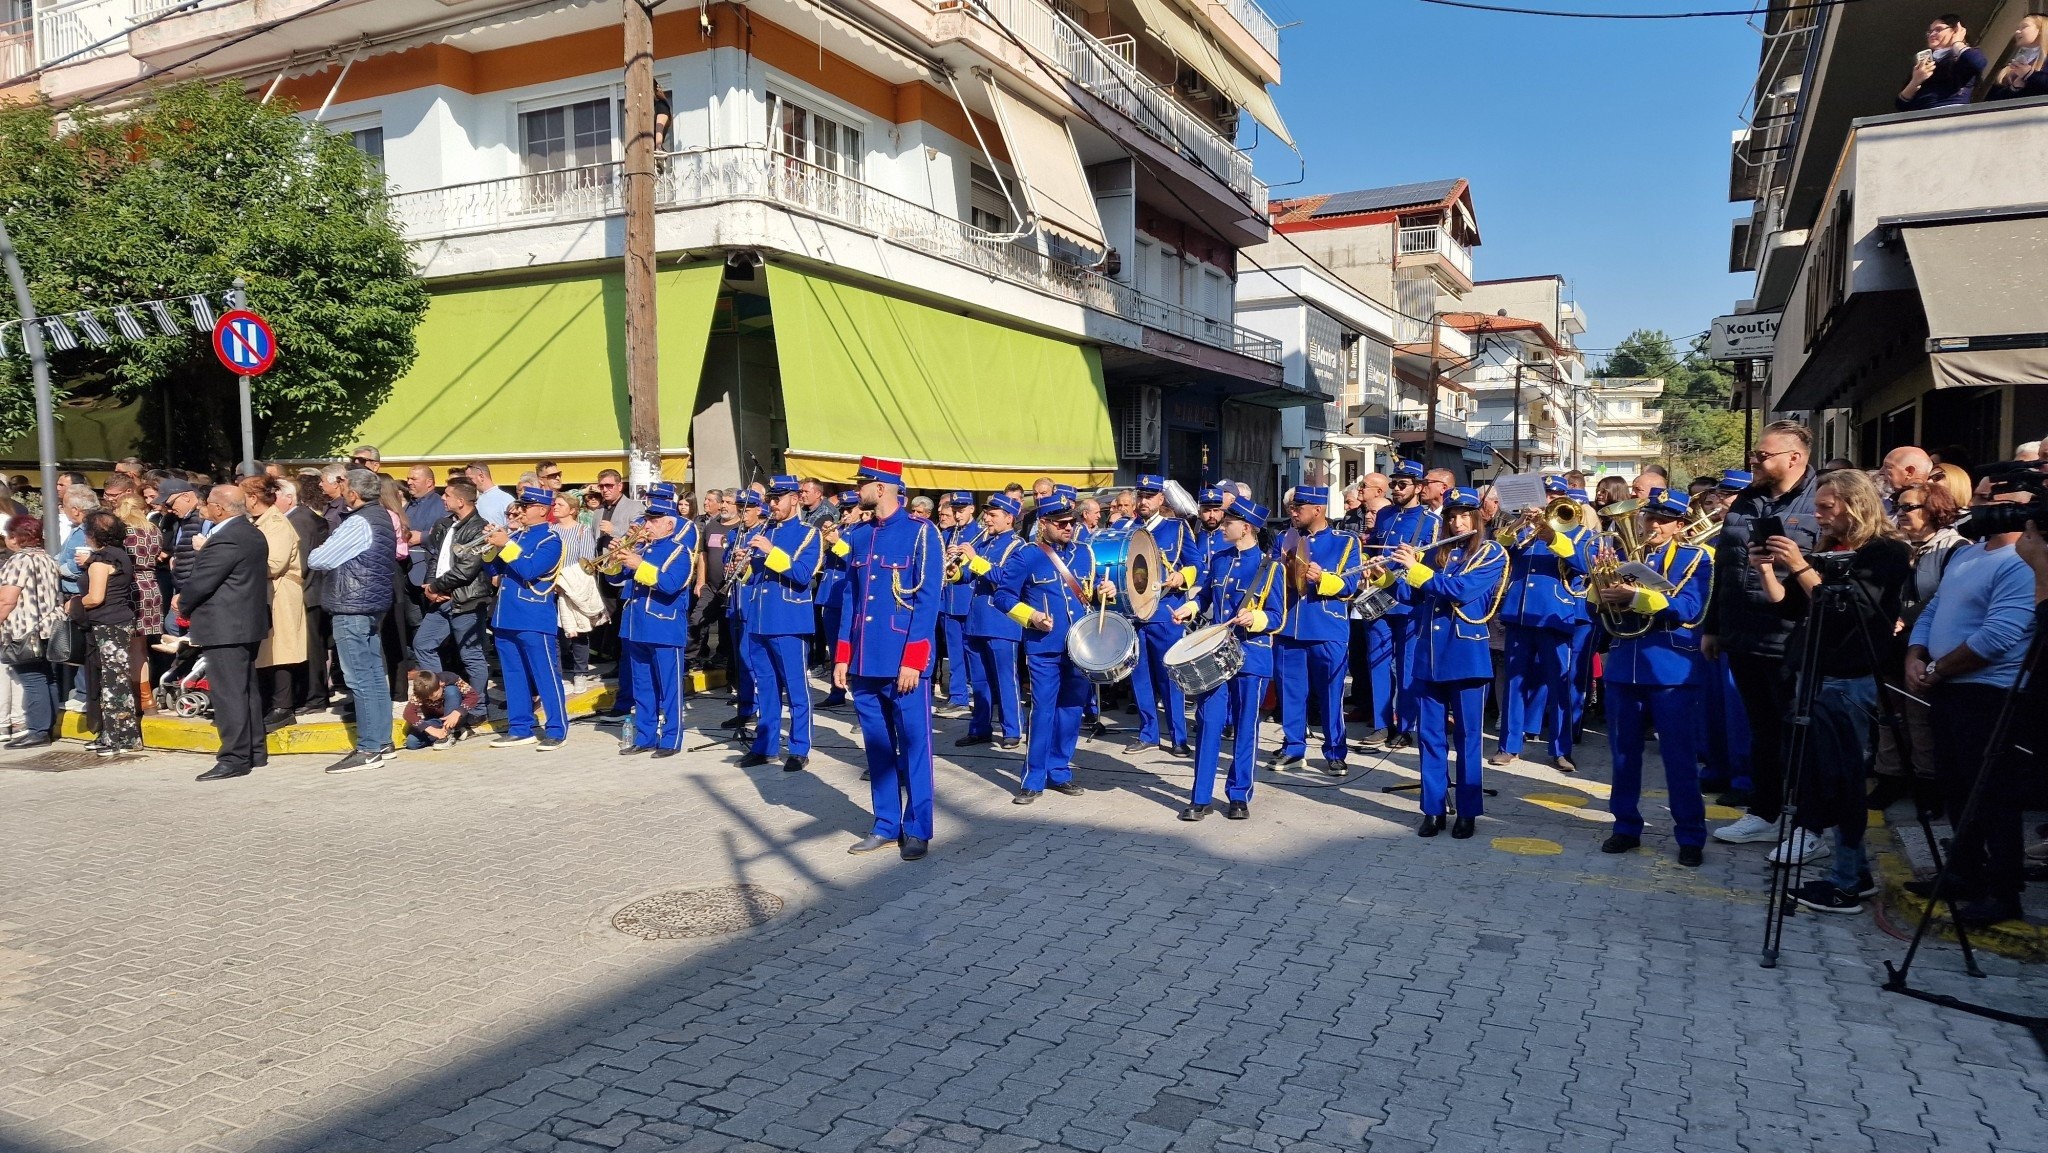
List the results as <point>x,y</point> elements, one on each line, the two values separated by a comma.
<point>752,759</point>
<point>794,764</point>
<point>634,750</point>
<point>1622,843</point>
<point>1182,749</point>
<point>1503,758</point>
<point>1025,796</point>
<point>1461,828</point>
<point>1564,765</point>
<point>664,754</point>
<point>914,848</point>
<point>1009,742</point>
<point>1372,740</point>
<point>1397,741</point>
<point>1280,764</point>
<point>969,742</point>
<point>869,844</point>
<point>1431,825</point>
<point>735,722</point>
<point>1194,812</point>
<point>1140,747</point>
<point>1067,788</point>
<point>1336,769</point>
<point>1691,856</point>
<point>1237,811</point>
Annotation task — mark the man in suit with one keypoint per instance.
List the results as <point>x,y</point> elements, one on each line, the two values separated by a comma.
<point>226,596</point>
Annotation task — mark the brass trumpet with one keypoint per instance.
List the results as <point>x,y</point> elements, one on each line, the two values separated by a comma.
<point>1562,512</point>
<point>630,541</point>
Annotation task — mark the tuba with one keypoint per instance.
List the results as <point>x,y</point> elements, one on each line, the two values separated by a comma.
<point>1605,573</point>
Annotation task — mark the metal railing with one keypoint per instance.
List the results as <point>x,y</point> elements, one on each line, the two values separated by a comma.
<point>87,29</point>
<point>1256,22</point>
<point>1434,239</point>
<point>1116,80</point>
<point>17,48</point>
<point>726,175</point>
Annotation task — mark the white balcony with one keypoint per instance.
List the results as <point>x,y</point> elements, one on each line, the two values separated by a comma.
<point>1107,71</point>
<point>1255,21</point>
<point>1436,240</point>
<point>86,29</point>
<point>17,48</point>
<point>727,175</point>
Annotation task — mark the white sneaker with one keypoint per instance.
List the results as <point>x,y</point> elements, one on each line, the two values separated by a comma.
<point>508,741</point>
<point>74,706</point>
<point>1748,830</point>
<point>1802,847</point>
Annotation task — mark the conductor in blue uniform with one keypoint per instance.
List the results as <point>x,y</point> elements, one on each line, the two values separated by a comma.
<point>1653,677</point>
<point>1310,650</point>
<point>1544,604</point>
<point>1406,520</point>
<point>1455,591</point>
<point>894,567</point>
<point>654,583</point>
<point>992,637</point>
<point>526,559</point>
<point>1238,586</point>
<point>785,557</point>
<point>1046,588</point>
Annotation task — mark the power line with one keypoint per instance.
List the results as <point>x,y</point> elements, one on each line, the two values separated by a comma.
<point>1563,14</point>
<point>223,46</point>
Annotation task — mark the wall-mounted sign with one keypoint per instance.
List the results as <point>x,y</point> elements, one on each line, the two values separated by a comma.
<point>1747,337</point>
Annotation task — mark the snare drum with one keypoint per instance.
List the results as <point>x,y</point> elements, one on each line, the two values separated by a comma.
<point>1129,558</point>
<point>1372,604</point>
<point>1204,659</point>
<point>1104,646</point>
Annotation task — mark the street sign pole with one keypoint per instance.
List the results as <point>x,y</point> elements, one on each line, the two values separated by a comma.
<point>39,366</point>
<point>247,348</point>
<point>248,424</point>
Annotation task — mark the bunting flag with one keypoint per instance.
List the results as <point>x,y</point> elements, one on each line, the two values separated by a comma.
<point>63,331</point>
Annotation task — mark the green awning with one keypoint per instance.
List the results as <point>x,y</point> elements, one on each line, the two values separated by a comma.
<point>961,402</point>
<point>526,370</point>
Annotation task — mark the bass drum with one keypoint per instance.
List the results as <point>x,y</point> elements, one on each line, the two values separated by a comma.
<point>1104,646</point>
<point>1129,558</point>
<point>1204,659</point>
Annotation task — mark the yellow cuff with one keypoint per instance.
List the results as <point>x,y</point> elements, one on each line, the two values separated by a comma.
<point>1258,620</point>
<point>1417,575</point>
<point>1188,577</point>
<point>1383,581</point>
<point>511,551</point>
<point>1330,585</point>
<point>1562,545</point>
<point>841,548</point>
<point>778,561</point>
<point>980,565</point>
<point>1650,601</point>
<point>1022,614</point>
<point>646,574</point>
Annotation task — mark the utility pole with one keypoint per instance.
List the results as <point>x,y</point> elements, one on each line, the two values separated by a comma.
<point>1429,426</point>
<point>1516,417</point>
<point>643,386</point>
<point>39,368</point>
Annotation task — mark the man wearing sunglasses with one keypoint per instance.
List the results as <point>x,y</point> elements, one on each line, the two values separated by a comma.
<point>1406,520</point>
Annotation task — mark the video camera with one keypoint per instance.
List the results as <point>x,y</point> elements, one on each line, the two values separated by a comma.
<point>2007,476</point>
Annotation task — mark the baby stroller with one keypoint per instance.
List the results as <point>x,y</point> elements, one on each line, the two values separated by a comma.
<point>183,687</point>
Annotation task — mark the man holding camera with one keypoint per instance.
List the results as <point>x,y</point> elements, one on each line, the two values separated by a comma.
<point>1967,649</point>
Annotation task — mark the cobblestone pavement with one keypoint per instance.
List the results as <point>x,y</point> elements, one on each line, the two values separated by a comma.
<point>422,957</point>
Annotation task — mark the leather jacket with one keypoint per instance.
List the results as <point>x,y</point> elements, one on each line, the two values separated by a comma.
<point>464,583</point>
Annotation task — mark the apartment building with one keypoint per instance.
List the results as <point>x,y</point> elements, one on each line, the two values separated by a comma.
<point>1904,249</point>
<point>1628,426</point>
<point>1409,247</point>
<point>1528,385</point>
<point>994,238</point>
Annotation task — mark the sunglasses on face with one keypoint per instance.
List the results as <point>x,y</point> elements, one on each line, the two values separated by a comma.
<point>607,484</point>
<point>551,476</point>
<point>1911,507</point>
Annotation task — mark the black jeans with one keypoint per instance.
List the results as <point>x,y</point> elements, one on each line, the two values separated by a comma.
<point>1987,857</point>
<point>1765,685</point>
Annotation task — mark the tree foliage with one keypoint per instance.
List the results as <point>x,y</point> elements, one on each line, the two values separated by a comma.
<point>1699,432</point>
<point>183,194</point>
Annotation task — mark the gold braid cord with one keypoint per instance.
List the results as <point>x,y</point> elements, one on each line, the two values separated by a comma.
<point>896,588</point>
<point>1500,590</point>
<point>1698,555</point>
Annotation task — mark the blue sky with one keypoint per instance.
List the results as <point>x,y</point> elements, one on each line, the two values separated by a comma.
<point>1597,150</point>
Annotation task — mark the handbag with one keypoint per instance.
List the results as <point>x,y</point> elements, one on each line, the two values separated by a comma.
<point>21,651</point>
<point>69,644</point>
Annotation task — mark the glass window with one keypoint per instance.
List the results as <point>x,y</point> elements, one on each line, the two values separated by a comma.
<point>369,142</point>
<point>563,148</point>
<point>801,134</point>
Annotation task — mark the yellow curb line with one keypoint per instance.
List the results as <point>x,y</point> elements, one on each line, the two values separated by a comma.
<point>2020,940</point>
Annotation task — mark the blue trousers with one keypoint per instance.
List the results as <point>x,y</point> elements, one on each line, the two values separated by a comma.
<point>1311,675</point>
<point>1235,702</point>
<point>1539,688</point>
<point>466,630</point>
<point>778,663</point>
<point>832,612</point>
<point>531,665</point>
<point>656,675</point>
<point>1671,709</point>
<point>1379,658</point>
<point>1150,682</point>
<point>1585,646</point>
<point>994,664</point>
<point>896,733</point>
<point>1441,706</point>
<point>1404,633</point>
<point>1722,729</point>
<point>958,683</point>
<point>744,669</point>
<point>1058,694</point>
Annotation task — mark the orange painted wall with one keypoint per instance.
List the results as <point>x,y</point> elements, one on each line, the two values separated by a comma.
<point>602,50</point>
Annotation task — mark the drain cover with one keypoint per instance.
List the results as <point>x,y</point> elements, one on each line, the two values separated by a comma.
<point>53,762</point>
<point>697,912</point>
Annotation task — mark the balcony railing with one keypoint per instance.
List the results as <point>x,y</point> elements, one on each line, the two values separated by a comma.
<point>1114,79</point>
<point>1256,22</point>
<point>85,29</point>
<point>1446,425</point>
<point>17,48</point>
<point>725,175</point>
<point>1436,240</point>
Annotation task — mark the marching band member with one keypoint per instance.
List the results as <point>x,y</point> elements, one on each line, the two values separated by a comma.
<point>992,638</point>
<point>1180,554</point>
<point>738,563</point>
<point>1310,654</point>
<point>895,566</point>
<point>1405,520</point>
<point>1655,678</point>
<point>1568,710</point>
<point>780,617</point>
<point>1541,610</point>
<point>831,592</point>
<point>526,557</point>
<point>1236,587</point>
<point>1453,603</point>
<point>1723,728</point>
<point>654,580</point>
<point>958,527</point>
<point>1213,542</point>
<point>1045,589</point>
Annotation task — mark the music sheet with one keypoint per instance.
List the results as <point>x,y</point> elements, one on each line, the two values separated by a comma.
<point>1520,490</point>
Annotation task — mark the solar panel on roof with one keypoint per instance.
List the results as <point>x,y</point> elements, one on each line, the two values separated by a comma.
<point>1374,199</point>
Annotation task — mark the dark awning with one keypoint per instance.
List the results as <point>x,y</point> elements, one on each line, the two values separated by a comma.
<point>1984,288</point>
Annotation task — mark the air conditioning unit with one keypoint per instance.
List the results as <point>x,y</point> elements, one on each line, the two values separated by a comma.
<point>1192,83</point>
<point>1137,424</point>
